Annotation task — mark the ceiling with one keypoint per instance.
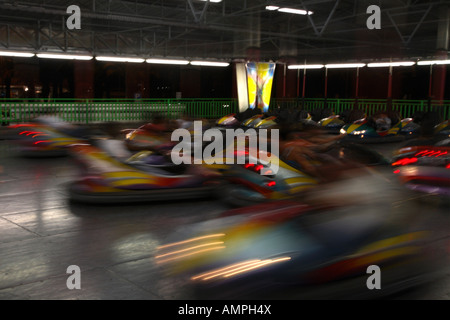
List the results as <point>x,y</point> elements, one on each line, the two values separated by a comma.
<point>335,32</point>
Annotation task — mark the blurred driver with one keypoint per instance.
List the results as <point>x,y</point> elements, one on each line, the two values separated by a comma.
<point>382,122</point>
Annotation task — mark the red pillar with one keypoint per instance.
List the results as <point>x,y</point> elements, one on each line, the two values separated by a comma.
<point>190,82</point>
<point>84,72</point>
<point>439,78</point>
<point>357,84</point>
<point>389,95</point>
<point>137,81</point>
<point>304,83</point>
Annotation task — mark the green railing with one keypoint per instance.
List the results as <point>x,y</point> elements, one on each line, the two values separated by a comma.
<point>115,110</point>
<point>130,110</point>
<point>406,108</point>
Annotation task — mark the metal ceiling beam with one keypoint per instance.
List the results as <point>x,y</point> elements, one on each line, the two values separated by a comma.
<point>198,18</point>
<point>148,27</point>
<point>407,39</point>
<point>322,29</point>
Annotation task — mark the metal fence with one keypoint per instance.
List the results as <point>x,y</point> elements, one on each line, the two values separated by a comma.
<point>406,108</point>
<point>129,110</point>
<point>95,111</point>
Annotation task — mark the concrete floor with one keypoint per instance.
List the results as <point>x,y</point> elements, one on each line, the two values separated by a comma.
<point>42,234</point>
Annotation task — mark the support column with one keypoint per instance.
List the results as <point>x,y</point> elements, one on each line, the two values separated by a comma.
<point>439,71</point>
<point>84,79</point>
<point>240,77</point>
<point>288,54</point>
<point>137,81</point>
<point>246,48</point>
<point>190,82</point>
<point>356,106</point>
<point>389,94</point>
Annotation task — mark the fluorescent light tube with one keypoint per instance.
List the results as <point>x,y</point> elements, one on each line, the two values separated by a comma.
<point>306,66</point>
<point>167,61</point>
<point>16,54</point>
<point>345,65</point>
<point>63,56</point>
<point>120,59</point>
<point>210,63</point>
<point>431,62</point>
<point>391,64</point>
<point>272,8</point>
<point>295,11</point>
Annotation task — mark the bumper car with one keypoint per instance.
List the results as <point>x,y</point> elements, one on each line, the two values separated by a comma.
<point>255,181</point>
<point>249,123</point>
<point>227,122</point>
<point>245,185</point>
<point>263,123</point>
<point>299,250</point>
<point>351,152</point>
<point>143,177</point>
<point>365,131</point>
<point>443,129</point>
<point>320,113</point>
<point>141,139</point>
<point>47,137</point>
<point>154,138</point>
<point>334,123</point>
<point>424,168</point>
<point>246,120</point>
<point>293,118</point>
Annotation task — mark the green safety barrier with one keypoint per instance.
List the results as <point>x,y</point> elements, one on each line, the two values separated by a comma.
<point>129,110</point>
<point>406,108</point>
<point>115,110</point>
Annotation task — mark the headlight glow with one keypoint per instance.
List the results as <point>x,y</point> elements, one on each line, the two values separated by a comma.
<point>358,133</point>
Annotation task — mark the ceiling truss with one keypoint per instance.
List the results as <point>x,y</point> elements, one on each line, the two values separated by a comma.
<point>193,28</point>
